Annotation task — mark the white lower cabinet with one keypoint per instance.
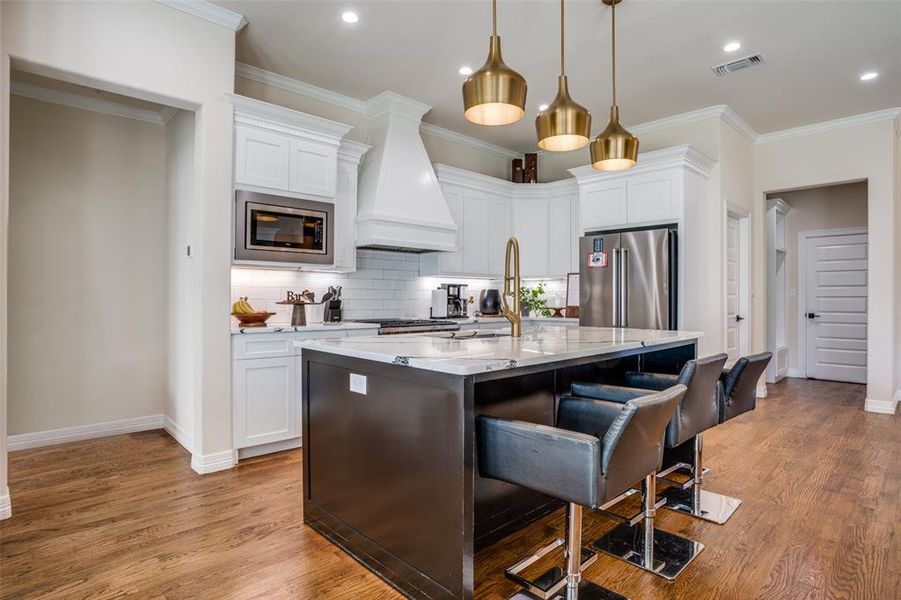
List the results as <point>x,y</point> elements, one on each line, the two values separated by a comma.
<point>266,400</point>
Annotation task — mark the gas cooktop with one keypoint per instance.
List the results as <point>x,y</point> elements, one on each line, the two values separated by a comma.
<point>395,326</point>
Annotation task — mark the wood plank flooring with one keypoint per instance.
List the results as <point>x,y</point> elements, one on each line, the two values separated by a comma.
<point>126,516</point>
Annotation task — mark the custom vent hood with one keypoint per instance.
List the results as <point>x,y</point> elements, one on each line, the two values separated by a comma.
<point>400,204</point>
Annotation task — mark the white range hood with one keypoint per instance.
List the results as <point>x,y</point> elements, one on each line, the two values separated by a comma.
<point>400,203</point>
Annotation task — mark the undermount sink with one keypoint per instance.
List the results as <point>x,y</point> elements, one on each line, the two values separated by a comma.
<point>472,334</point>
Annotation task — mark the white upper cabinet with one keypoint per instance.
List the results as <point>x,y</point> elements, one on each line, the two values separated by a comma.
<point>261,158</point>
<point>487,211</point>
<point>312,168</point>
<point>652,193</point>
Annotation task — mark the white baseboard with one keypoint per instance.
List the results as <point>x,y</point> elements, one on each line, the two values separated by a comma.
<point>6,507</point>
<point>178,434</point>
<point>210,463</point>
<point>796,373</point>
<point>37,439</point>
<point>883,407</point>
<point>269,448</point>
<point>761,391</point>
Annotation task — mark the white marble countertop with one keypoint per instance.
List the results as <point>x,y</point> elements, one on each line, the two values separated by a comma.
<point>314,327</point>
<point>540,343</point>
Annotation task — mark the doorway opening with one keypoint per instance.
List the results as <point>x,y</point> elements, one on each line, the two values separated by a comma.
<point>817,283</point>
<point>738,281</point>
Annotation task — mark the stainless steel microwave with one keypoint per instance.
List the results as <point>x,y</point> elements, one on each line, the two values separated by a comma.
<point>284,229</point>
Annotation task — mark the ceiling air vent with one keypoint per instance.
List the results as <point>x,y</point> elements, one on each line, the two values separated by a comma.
<point>738,64</point>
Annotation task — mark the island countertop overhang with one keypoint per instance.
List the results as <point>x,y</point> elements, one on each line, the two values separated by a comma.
<point>539,345</point>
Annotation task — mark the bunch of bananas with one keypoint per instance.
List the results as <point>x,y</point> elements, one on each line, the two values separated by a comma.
<point>242,307</point>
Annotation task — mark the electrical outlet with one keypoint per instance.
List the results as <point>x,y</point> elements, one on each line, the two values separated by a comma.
<point>358,383</point>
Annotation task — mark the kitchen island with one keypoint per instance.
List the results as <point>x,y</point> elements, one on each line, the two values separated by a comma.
<point>390,469</point>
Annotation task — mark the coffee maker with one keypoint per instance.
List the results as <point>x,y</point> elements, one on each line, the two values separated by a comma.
<point>456,300</point>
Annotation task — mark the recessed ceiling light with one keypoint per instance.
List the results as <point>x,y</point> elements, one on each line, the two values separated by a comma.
<point>869,76</point>
<point>466,71</point>
<point>350,16</point>
<point>543,107</point>
<point>731,47</point>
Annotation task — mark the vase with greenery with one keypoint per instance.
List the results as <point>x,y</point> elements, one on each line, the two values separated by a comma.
<point>531,299</point>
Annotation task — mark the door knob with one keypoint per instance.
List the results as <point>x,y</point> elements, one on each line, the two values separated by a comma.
<point>813,316</point>
<point>739,318</point>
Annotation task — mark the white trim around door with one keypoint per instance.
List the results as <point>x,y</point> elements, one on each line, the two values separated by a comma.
<point>742,312</point>
<point>803,237</point>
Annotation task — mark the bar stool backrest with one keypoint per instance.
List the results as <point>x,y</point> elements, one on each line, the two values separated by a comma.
<point>740,385</point>
<point>699,410</point>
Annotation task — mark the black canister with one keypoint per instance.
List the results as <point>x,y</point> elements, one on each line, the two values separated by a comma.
<point>490,302</point>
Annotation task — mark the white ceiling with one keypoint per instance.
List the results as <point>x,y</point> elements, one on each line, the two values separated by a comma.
<point>814,51</point>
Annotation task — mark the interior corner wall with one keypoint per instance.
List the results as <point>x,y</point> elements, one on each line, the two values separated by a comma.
<point>87,268</point>
<point>116,46</point>
<point>5,507</point>
<point>180,202</point>
<point>822,159</point>
<point>897,165</point>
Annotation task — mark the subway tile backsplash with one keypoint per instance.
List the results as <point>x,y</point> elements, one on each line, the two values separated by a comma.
<point>385,285</point>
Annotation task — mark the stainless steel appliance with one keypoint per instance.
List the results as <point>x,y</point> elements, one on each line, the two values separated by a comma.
<point>456,300</point>
<point>396,326</point>
<point>628,279</point>
<point>490,302</point>
<point>283,229</point>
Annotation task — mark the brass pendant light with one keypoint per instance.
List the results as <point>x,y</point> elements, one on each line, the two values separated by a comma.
<point>565,124</point>
<point>615,149</point>
<point>495,94</point>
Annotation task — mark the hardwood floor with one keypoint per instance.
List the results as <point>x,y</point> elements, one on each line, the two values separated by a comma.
<point>820,480</point>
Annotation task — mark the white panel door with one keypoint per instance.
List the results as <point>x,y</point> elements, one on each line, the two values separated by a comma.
<point>475,233</point>
<point>559,237</point>
<point>266,403</point>
<point>734,291</point>
<point>531,228</point>
<point>500,228</point>
<point>836,307</point>
<point>261,158</point>
<point>312,168</point>
<point>603,204</point>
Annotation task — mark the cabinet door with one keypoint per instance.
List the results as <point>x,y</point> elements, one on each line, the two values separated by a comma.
<point>345,217</point>
<point>603,204</point>
<point>500,227</point>
<point>576,233</point>
<point>559,237</point>
<point>652,197</point>
<point>312,168</point>
<point>266,400</point>
<point>475,233</point>
<point>531,227</point>
<point>452,262</point>
<point>261,158</point>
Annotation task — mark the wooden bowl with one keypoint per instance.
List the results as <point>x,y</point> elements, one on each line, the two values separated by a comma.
<point>255,319</point>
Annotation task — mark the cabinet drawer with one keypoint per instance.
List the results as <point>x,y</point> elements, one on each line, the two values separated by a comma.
<point>321,335</point>
<point>262,345</point>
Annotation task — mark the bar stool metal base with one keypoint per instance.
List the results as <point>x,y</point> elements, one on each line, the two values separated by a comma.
<point>552,582</point>
<point>586,591</point>
<point>670,555</point>
<point>698,502</point>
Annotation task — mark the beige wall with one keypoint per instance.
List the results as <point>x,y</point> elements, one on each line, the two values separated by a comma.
<point>439,150</point>
<point>822,159</point>
<point>87,268</point>
<point>830,207</point>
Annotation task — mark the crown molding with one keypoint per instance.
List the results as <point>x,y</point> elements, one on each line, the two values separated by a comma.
<point>711,112</point>
<point>97,105</point>
<point>352,151</point>
<point>208,11</point>
<point>732,118</point>
<point>684,155</point>
<point>486,183</point>
<point>251,111</point>
<point>390,103</point>
<point>466,140</point>
<point>299,87</point>
<point>843,123</point>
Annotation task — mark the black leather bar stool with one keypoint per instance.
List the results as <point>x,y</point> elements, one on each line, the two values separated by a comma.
<point>738,393</point>
<point>698,411</point>
<point>598,451</point>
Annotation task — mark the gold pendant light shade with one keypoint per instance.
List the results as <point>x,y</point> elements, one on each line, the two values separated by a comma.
<point>615,149</point>
<point>495,94</point>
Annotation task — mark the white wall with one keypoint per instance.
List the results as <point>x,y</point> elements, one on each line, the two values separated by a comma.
<point>87,268</point>
<point>830,207</point>
<point>179,60</point>
<point>5,504</point>
<point>180,205</point>
<point>865,151</point>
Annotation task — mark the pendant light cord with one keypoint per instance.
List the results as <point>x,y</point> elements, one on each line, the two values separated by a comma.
<point>613,44</point>
<point>562,71</point>
<point>494,18</point>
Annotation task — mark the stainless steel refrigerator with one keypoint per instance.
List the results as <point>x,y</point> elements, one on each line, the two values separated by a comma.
<point>628,279</point>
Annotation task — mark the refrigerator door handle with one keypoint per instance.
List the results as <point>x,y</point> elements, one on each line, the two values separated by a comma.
<point>624,286</point>
<point>616,288</point>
